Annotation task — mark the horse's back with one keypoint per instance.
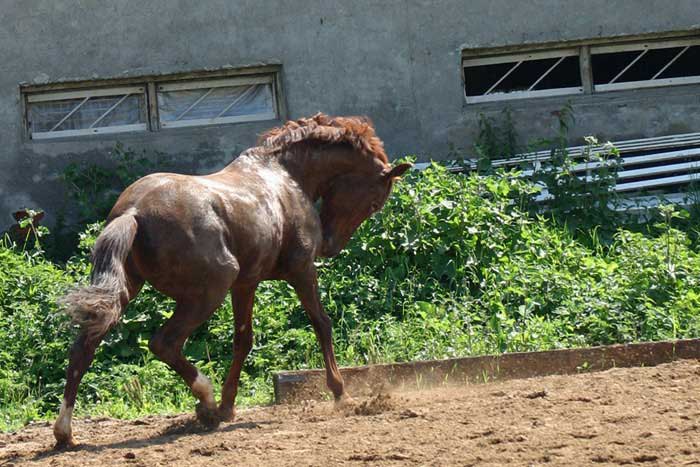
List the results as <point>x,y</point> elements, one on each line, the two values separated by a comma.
<point>199,229</point>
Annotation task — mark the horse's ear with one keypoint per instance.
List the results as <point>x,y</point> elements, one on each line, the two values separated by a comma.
<point>398,170</point>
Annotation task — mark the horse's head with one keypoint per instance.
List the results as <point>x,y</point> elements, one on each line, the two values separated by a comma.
<point>349,200</point>
<point>357,178</point>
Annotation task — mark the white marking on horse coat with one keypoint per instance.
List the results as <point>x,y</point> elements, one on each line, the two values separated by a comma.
<point>238,194</point>
<point>62,424</point>
<point>275,183</point>
<point>203,390</point>
<point>275,179</point>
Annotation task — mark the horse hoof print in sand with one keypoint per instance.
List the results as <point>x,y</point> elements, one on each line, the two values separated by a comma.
<point>197,238</point>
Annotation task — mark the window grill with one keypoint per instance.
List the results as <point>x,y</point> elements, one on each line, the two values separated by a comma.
<point>538,74</point>
<point>149,104</point>
<point>628,66</point>
<point>584,69</point>
<point>210,102</point>
<point>86,112</point>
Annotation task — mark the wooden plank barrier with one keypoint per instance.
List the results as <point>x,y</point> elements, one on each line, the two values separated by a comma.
<point>295,386</point>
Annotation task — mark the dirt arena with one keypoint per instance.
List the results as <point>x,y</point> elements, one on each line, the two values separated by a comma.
<point>639,416</point>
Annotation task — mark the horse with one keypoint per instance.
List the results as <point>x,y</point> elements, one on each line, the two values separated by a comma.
<point>198,238</point>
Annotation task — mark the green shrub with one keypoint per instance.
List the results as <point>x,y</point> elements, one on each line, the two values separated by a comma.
<point>452,266</point>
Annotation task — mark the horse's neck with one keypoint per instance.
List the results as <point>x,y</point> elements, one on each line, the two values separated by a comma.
<point>314,168</point>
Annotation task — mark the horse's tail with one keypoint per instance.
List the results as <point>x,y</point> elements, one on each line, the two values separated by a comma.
<point>97,307</point>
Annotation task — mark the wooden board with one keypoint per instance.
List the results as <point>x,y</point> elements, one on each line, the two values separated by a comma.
<point>295,386</point>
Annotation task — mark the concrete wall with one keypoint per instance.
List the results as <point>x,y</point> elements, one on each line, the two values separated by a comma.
<point>397,61</point>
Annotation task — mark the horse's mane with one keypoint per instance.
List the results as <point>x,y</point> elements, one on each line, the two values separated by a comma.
<point>358,132</point>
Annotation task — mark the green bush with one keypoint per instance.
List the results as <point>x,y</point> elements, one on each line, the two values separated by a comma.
<point>454,265</point>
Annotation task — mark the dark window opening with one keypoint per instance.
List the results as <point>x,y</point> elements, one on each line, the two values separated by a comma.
<point>530,75</point>
<point>672,62</point>
<point>688,64</point>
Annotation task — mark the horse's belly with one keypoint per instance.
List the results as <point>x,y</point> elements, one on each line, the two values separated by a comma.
<point>257,261</point>
<point>182,262</point>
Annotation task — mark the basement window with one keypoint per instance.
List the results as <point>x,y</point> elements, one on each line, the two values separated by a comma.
<point>151,103</point>
<point>86,112</point>
<point>210,102</point>
<point>536,74</point>
<point>640,65</point>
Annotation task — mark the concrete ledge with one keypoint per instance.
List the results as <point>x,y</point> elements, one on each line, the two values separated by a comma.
<point>293,386</point>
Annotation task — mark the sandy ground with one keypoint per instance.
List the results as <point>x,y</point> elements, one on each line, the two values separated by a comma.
<point>642,416</point>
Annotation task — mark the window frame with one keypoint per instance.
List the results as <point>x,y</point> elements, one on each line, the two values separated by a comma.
<point>186,85</point>
<point>585,50</point>
<point>642,47</point>
<point>518,59</point>
<point>86,94</point>
<point>30,93</point>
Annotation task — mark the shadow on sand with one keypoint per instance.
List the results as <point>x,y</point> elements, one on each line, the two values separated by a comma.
<point>175,430</point>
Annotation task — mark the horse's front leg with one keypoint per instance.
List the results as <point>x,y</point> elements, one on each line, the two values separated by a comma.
<point>242,299</point>
<point>306,287</point>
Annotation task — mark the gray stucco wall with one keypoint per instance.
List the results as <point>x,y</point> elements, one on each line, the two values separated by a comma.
<point>397,61</point>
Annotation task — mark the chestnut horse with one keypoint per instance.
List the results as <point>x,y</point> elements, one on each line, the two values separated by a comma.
<point>195,238</point>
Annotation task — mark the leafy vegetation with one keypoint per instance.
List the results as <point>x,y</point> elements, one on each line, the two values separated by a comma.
<point>93,188</point>
<point>582,203</point>
<point>454,265</point>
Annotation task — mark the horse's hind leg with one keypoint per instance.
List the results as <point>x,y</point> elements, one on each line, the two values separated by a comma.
<point>167,345</point>
<point>242,299</point>
<point>81,355</point>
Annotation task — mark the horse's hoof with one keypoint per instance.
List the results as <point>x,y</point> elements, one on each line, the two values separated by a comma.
<point>64,443</point>
<point>207,416</point>
<point>227,414</point>
<point>345,402</point>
